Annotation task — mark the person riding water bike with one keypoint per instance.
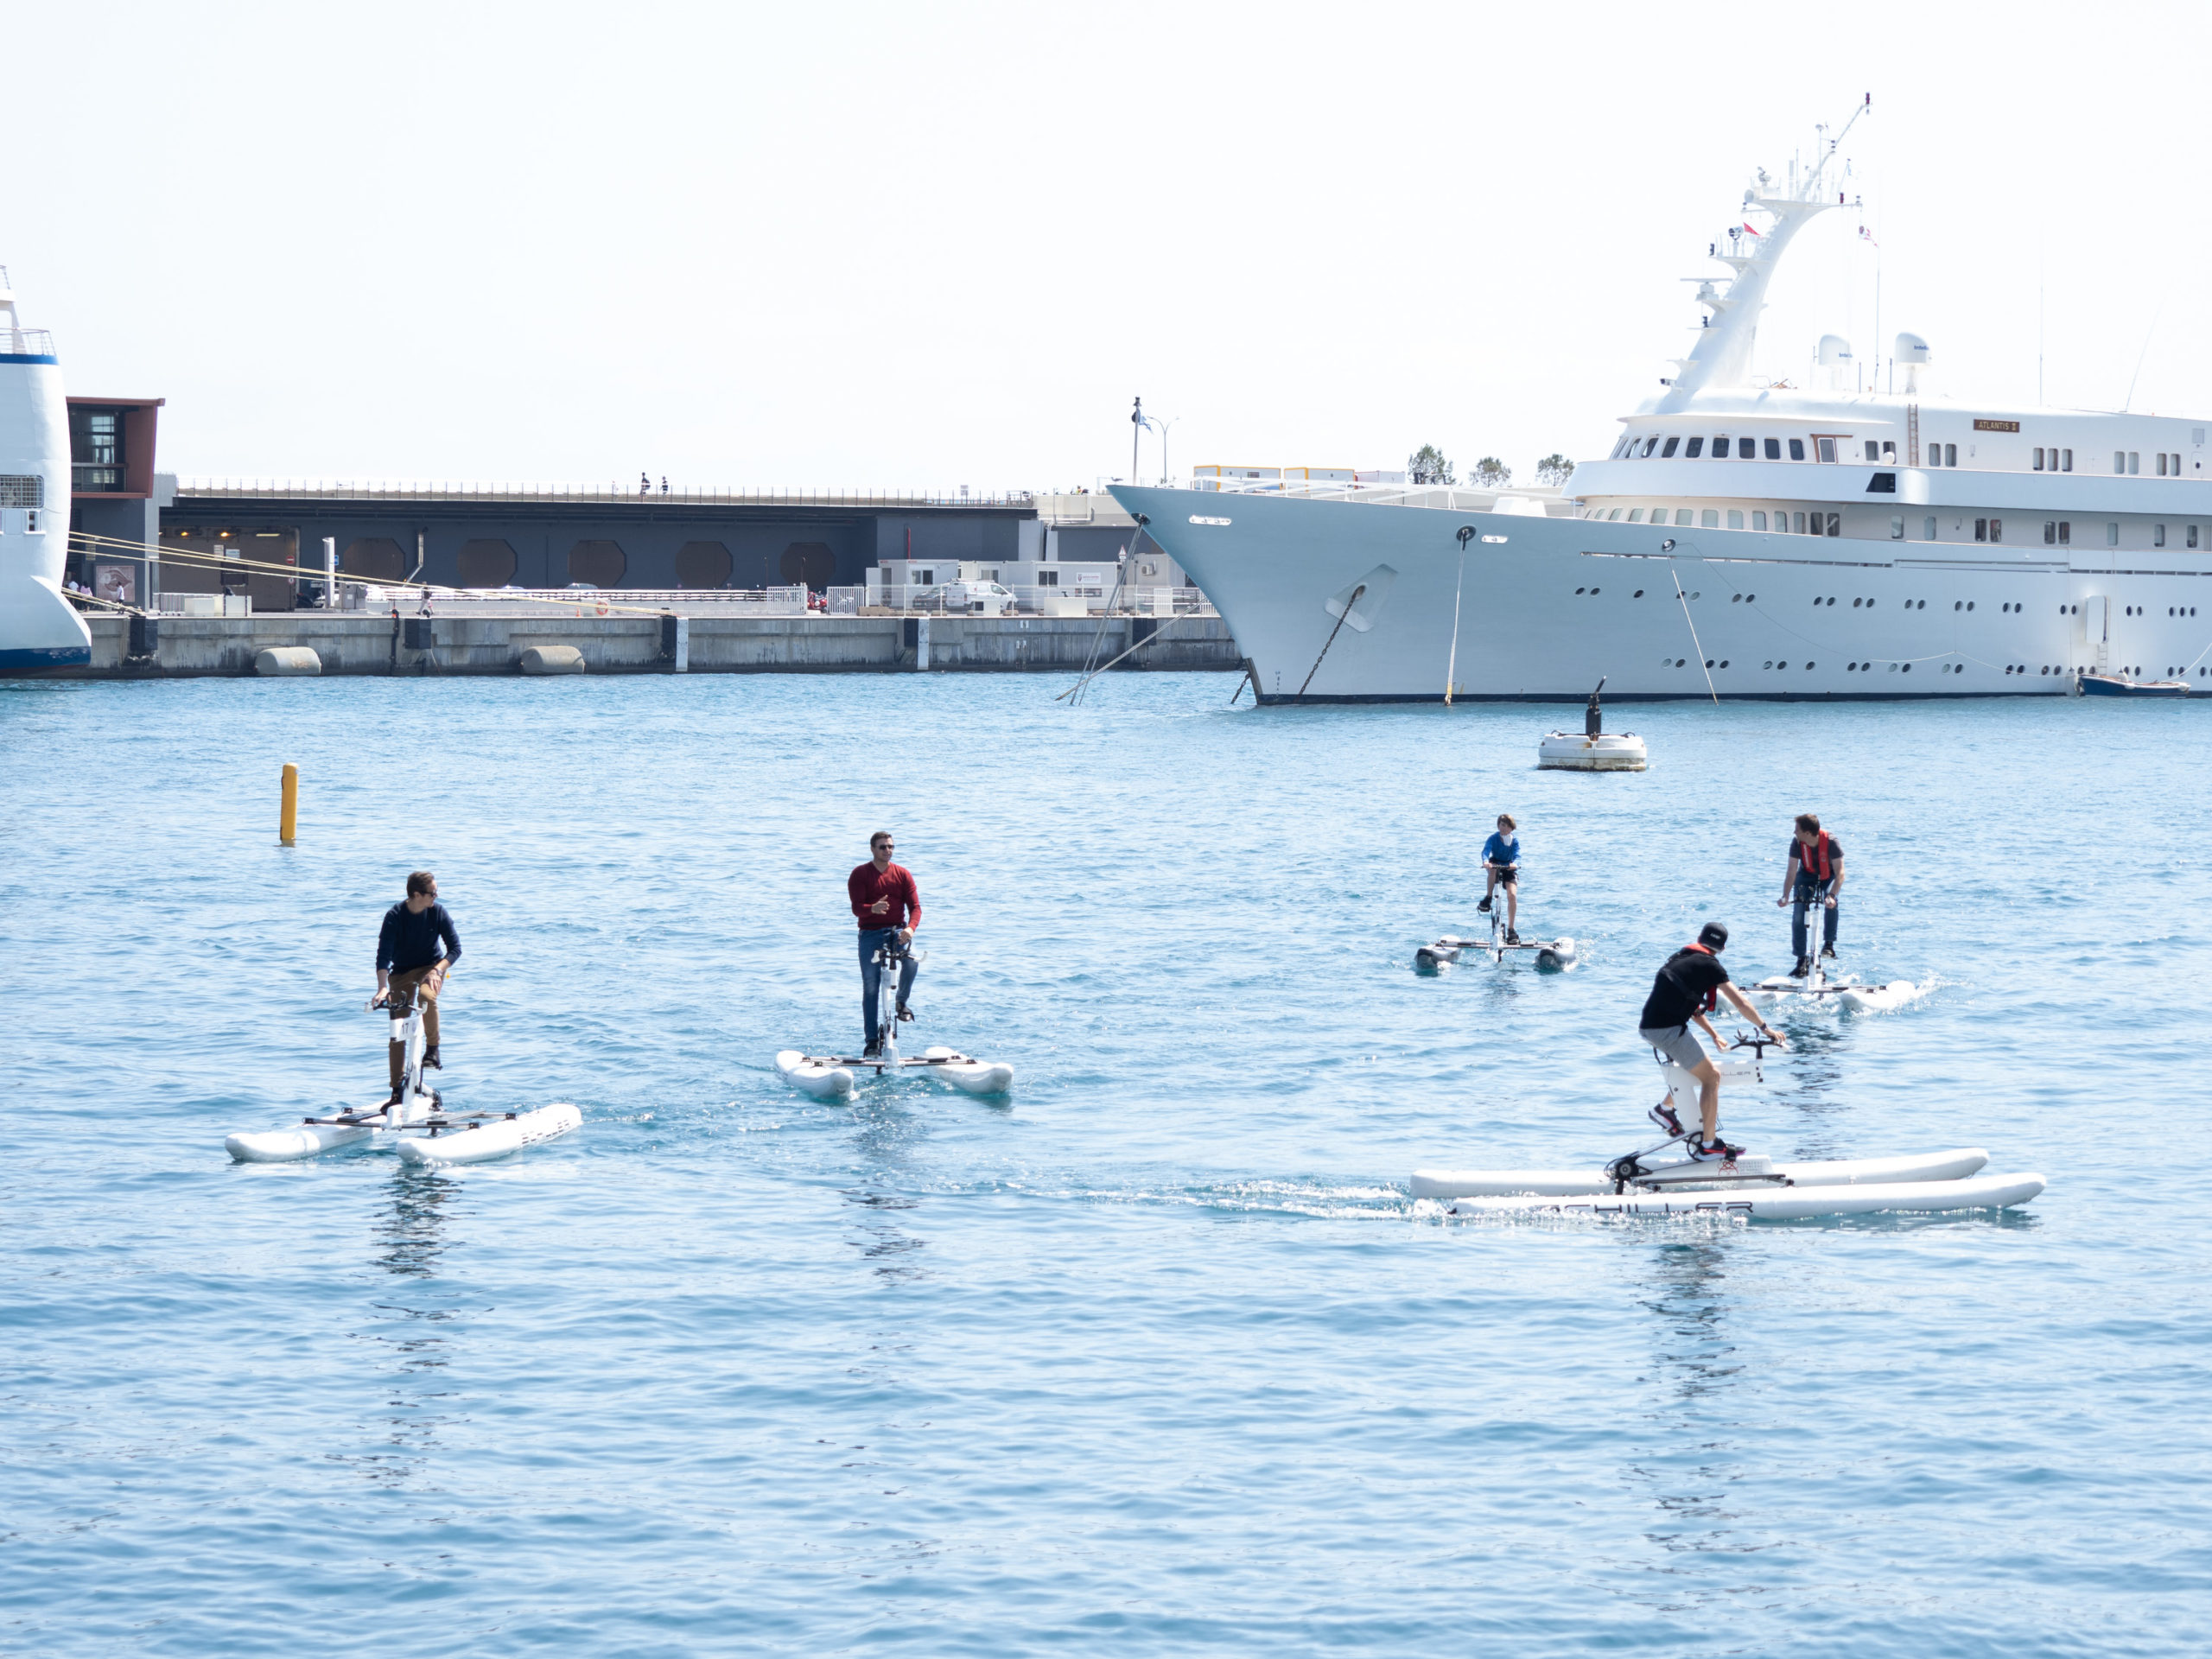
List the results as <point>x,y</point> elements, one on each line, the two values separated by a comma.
<point>416,948</point>
<point>888,906</point>
<point>1502,864</point>
<point>1813,874</point>
<point>1687,987</point>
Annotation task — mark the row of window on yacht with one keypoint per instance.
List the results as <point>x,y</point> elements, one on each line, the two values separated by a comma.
<point>1638,447</point>
<point>2057,532</point>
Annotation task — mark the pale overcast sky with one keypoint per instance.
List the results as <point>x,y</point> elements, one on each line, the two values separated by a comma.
<point>903,245</point>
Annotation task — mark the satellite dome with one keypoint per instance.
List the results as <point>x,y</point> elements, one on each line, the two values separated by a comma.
<point>1913,350</point>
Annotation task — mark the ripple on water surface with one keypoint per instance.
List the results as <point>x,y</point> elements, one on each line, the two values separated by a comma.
<point>1156,1354</point>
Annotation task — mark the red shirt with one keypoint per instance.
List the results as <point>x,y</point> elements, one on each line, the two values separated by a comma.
<point>865,884</point>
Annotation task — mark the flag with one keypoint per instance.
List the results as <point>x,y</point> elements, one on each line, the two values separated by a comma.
<point>1868,236</point>
<point>1748,231</point>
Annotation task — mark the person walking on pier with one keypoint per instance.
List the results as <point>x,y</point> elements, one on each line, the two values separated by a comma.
<point>888,907</point>
<point>1814,873</point>
<point>416,948</point>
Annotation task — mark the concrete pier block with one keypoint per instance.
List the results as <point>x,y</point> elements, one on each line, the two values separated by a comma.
<point>552,660</point>
<point>281,662</point>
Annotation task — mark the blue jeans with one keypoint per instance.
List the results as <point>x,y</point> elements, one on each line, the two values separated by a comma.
<point>1811,892</point>
<point>872,940</point>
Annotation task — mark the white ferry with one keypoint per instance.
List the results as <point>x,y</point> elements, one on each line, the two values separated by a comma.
<point>1741,540</point>
<point>38,627</point>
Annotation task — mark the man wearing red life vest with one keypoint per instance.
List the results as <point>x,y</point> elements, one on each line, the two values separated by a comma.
<point>1687,987</point>
<point>888,906</point>
<point>1814,872</point>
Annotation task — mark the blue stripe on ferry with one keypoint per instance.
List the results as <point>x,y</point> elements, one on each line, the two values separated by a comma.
<point>47,656</point>
<point>14,357</point>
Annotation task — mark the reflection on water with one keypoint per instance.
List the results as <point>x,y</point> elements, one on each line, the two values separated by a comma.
<point>1695,1373</point>
<point>415,1337</point>
<point>412,1235</point>
<point>882,1243</point>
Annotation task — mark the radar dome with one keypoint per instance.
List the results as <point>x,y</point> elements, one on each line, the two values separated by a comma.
<point>1834,350</point>
<point>1912,350</point>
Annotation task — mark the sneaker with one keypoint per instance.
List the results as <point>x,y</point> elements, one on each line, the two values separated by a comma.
<point>1715,1148</point>
<point>1511,937</point>
<point>1804,970</point>
<point>430,1057</point>
<point>1828,950</point>
<point>873,1050</point>
<point>905,1013</point>
<point>398,1094</point>
<point>1663,1116</point>
<point>1483,907</point>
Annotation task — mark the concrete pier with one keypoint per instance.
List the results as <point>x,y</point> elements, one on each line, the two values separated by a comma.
<point>358,642</point>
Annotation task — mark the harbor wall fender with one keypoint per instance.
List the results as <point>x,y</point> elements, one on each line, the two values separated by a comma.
<point>285,662</point>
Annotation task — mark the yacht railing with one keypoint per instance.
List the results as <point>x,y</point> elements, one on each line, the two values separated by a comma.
<point>25,342</point>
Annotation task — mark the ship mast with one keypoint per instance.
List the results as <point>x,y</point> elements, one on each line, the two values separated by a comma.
<point>1722,356</point>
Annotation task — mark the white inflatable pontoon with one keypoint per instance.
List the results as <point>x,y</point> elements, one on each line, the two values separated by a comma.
<point>832,1077</point>
<point>418,1126</point>
<point>1689,1174</point>
<point>1776,1203</point>
<point>1844,991</point>
<point>1553,956</point>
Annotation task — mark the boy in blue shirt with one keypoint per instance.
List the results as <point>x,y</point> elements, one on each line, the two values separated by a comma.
<point>1502,864</point>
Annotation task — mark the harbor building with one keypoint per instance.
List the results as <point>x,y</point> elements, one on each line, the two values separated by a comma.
<point>493,536</point>
<point>115,497</point>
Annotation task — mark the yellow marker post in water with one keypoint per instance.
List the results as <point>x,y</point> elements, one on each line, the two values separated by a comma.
<point>288,815</point>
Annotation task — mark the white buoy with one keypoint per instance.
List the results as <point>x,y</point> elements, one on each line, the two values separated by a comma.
<point>1591,749</point>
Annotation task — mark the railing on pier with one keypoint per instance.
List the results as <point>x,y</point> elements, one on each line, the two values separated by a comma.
<point>322,489</point>
<point>1093,599</point>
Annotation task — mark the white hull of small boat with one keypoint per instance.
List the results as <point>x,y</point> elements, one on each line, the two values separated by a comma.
<point>303,1140</point>
<point>1952,1165</point>
<point>1775,1204</point>
<point>495,1139</point>
<point>1574,752</point>
<point>823,1079</point>
<point>1843,993</point>
<point>833,1077</point>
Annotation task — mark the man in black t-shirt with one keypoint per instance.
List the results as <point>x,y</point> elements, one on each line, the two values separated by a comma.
<point>1687,987</point>
<point>1812,874</point>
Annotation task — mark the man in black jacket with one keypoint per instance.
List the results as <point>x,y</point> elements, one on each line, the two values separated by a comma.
<point>416,949</point>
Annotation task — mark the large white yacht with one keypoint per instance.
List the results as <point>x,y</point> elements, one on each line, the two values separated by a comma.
<point>1743,538</point>
<point>38,627</point>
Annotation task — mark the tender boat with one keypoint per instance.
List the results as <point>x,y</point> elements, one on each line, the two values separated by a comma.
<point>2115,685</point>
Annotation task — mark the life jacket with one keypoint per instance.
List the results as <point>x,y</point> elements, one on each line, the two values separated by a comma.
<point>1814,861</point>
<point>1712,995</point>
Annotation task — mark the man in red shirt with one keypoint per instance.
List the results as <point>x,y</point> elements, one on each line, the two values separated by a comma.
<point>888,907</point>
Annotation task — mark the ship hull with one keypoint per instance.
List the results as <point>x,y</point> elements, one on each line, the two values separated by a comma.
<point>39,629</point>
<point>1539,609</point>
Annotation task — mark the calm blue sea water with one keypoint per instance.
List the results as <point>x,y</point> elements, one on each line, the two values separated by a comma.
<point>1158,1358</point>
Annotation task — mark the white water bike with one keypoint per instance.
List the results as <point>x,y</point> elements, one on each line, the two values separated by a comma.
<point>1646,1182</point>
<point>418,1127</point>
<point>1551,956</point>
<point>833,1077</point>
<point>1816,988</point>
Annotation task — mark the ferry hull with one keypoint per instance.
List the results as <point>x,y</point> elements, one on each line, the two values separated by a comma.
<point>1548,606</point>
<point>39,629</point>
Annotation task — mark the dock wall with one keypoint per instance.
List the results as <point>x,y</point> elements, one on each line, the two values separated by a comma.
<point>349,644</point>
